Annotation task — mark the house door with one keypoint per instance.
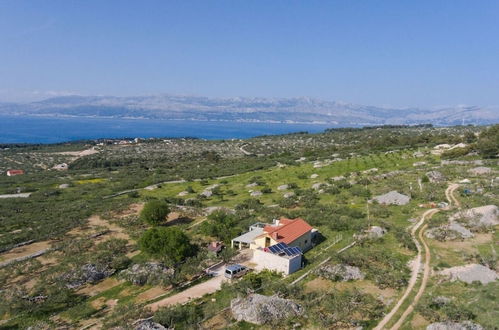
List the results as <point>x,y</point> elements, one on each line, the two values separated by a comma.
<point>267,241</point>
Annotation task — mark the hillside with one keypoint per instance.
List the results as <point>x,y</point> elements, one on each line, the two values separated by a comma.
<point>297,110</point>
<point>405,219</point>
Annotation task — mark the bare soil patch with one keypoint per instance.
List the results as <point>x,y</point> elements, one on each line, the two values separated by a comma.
<point>468,245</point>
<point>25,250</point>
<point>151,294</point>
<point>419,322</point>
<point>318,284</point>
<point>371,288</point>
<point>220,321</point>
<point>93,290</point>
<point>98,303</point>
<point>96,224</point>
<point>133,209</point>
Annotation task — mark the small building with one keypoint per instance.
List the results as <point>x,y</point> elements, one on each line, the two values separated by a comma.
<point>15,172</point>
<point>215,247</point>
<point>293,232</point>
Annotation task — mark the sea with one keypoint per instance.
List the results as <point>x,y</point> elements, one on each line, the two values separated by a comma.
<point>17,129</point>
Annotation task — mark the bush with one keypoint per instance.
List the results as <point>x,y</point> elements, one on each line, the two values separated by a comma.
<point>154,212</point>
<point>133,194</point>
<point>266,190</point>
<point>488,142</point>
<point>179,316</point>
<point>170,244</point>
<point>222,225</point>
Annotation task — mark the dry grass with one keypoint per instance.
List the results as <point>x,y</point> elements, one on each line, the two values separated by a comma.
<point>220,321</point>
<point>93,290</point>
<point>25,250</point>
<point>468,245</point>
<point>419,322</point>
<point>318,284</point>
<point>151,294</point>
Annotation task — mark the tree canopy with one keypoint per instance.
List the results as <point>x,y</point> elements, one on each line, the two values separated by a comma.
<point>167,243</point>
<point>488,142</point>
<point>154,212</point>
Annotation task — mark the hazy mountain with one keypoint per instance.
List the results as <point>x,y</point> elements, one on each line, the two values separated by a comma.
<point>304,110</point>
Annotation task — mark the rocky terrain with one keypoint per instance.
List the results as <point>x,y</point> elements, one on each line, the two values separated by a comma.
<point>260,309</point>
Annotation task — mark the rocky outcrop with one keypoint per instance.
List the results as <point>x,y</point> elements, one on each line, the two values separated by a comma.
<point>435,176</point>
<point>449,232</point>
<point>376,232</point>
<point>483,216</point>
<point>341,273</point>
<point>470,273</point>
<point>88,273</point>
<point>260,309</point>
<point>392,198</point>
<point>466,325</point>
<point>147,273</point>
<point>319,185</point>
<point>480,170</point>
<point>386,175</point>
<point>462,162</point>
<point>206,193</point>
<point>149,325</point>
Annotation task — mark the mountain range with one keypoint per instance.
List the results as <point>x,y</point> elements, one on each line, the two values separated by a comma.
<point>285,110</point>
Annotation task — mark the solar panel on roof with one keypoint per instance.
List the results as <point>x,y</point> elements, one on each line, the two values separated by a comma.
<point>276,248</point>
<point>273,249</point>
<point>288,252</point>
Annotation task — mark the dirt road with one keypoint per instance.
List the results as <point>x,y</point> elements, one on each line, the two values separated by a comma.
<point>449,193</point>
<point>195,291</point>
<point>415,271</point>
<point>424,281</point>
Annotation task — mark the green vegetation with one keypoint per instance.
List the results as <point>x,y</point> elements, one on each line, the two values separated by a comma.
<point>154,212</point>
<point>326,179</point>
<point>488,142</point>
<point>169,244</point>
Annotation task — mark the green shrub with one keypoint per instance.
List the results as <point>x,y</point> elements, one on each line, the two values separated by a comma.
<point>154,212</point>
<point>170,244</point>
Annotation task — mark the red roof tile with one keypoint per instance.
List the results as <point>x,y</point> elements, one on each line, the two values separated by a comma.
<point>288,230</point>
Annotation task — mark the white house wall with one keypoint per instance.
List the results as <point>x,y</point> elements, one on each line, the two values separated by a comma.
<point>274,262</point>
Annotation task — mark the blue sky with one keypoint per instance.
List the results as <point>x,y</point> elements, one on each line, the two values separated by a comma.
<point>397,53</point>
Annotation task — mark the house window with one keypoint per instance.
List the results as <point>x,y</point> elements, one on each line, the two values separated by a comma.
<point>306,241</point>
<point>267,241</point>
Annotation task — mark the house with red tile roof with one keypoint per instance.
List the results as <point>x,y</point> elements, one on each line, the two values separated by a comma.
<point>15,172</point>
<point>293,232</point>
